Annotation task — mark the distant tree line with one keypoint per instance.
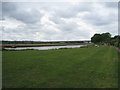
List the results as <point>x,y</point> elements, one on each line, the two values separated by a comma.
<point>41,42</point>
<point>106,39</point>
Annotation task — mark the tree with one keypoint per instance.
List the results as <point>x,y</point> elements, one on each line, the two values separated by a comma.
<point>101,38</point>
<point>106,38</point>
<point>115,41</point>
<point>96,38</point>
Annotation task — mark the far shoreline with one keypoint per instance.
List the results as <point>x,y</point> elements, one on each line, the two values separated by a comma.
<point>35,45</point>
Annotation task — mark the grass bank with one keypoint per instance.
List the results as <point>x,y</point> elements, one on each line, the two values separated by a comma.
<point>94,67</point>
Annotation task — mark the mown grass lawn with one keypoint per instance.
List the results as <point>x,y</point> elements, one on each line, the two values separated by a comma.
<point>94,67</point>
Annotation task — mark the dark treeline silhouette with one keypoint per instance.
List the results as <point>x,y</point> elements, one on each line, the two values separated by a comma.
<point>106,39</point>
<point>40,42</point>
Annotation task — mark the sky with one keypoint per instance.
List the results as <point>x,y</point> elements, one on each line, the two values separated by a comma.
<point>57,21</point>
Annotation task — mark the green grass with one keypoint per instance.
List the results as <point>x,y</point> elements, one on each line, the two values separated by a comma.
<point>64,68</point>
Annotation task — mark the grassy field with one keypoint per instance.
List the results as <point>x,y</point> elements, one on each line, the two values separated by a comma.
<point>94,67</point>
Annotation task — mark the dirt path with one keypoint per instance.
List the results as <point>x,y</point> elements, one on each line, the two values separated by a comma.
<point>118,50</point>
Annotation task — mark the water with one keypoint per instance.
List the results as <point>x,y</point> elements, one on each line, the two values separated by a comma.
<point>45,47</point>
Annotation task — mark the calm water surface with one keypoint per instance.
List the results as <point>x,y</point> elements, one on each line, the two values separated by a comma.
<point>45,47</point>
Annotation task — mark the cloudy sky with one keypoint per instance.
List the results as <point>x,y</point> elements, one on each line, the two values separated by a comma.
<point>50,21</point>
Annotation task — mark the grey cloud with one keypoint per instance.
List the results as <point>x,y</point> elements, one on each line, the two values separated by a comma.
<point>68,11</point>
<point>111,4</point>
<point>101,18</point>
<point>12,10</point>
<point>27,17</point>
<point>97,20</point>
<point>68,27</point>
<point>64,26</point>
<point>1,11</point>
<point>8,7</point>
<point>56,20</point>
<point>64,12</point>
